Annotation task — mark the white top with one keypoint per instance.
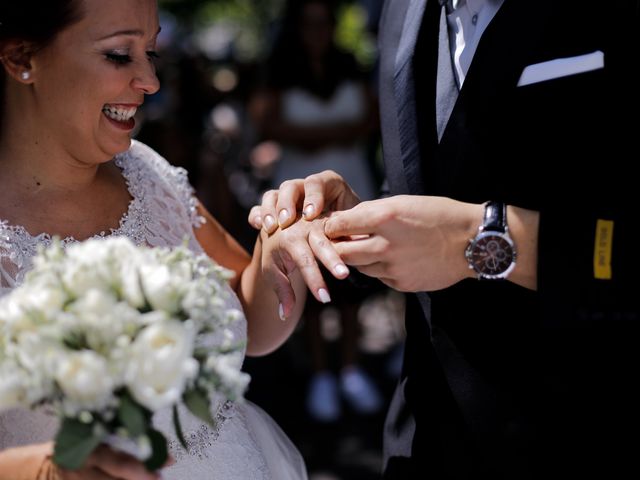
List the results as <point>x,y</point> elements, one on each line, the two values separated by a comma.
<point>347,105</point>
<point>467,22</point>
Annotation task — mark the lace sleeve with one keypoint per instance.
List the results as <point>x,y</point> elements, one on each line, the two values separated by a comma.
<point>17,248</point>
<point>8,270</point>
<point>177,178</point>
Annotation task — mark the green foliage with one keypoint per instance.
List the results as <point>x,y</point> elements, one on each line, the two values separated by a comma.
<point>250,22</point>
<point>74,443</point>
<point>198,404</point>
<point>133,416</point>
<point>177,425</point>
<point>159,449</point>
<point>352,34</point>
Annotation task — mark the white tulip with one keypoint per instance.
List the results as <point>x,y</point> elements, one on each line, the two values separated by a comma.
<point>161,364</point>
<point>161,289</point>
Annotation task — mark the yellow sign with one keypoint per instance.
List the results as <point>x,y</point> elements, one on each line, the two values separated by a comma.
<point>602,250</point>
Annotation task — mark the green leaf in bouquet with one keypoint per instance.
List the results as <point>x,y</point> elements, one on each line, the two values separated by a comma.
<point>198,403</point>
<point>178,427</point>
<point>76,341</point>
<point>133,416</point>
<point>159,451</point>
<point>74,443</point>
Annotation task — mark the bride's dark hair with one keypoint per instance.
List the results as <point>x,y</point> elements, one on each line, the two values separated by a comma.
<point>37,22</point>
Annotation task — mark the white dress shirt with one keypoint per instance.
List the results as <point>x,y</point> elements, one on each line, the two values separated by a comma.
<point>467,22</point>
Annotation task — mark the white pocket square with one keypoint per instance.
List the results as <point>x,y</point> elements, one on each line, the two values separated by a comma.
<point>561,67</point>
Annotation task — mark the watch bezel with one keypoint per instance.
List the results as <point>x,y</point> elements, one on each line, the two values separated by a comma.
<point>473,265</point>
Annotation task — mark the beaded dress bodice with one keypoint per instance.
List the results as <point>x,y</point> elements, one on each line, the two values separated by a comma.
<point>161,213</point>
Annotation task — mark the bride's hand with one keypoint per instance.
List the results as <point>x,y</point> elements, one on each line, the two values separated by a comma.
<point>35,462</point>
<point>310,197</point>
<point>105,463</point>
<point>299,243</point>
<point>297,248</point>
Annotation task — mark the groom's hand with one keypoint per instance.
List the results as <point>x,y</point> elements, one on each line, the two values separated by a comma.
<point>307,198</point>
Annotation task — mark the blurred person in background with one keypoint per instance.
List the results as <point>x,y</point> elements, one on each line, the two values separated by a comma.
<point>318,105</point>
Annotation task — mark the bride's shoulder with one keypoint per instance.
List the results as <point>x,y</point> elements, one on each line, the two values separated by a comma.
<point>146,169</point>
<point>144,159</point>
<point>143,156</point>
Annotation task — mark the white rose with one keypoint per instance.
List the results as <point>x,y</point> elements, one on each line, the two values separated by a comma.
<point>228,369</point>
<point>13,315</point>
<point>81,276</point>
<point>93,319</point>
<point>94,302</point>
<point>85,379</point>
<point>35,351</point>
<point>13,390</point>
<point>161,363</point>
<point>131,289</point>
<point>24,387</point>
<point>47,300</point>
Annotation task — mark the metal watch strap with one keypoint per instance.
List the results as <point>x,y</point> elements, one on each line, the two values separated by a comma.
<point>495,217</point>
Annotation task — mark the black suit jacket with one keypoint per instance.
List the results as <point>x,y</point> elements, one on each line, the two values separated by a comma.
<point>500,381</point>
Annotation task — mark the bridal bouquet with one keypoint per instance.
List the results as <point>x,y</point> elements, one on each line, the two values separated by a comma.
<point>105,333</point>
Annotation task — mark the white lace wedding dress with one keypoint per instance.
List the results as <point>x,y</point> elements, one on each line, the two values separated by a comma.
<point>247,444</point>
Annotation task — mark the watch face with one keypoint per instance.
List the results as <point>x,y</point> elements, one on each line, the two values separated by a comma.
<point>491,255</point>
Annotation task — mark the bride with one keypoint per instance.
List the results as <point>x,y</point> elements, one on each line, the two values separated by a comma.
<point>74,73</point>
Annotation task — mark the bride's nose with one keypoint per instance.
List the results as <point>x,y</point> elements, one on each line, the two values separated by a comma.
<point>145,79</point>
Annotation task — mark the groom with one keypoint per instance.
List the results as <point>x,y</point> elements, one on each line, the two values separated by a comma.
<point>521,361</point>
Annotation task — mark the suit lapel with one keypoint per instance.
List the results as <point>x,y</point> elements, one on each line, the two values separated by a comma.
<point>404,90</point>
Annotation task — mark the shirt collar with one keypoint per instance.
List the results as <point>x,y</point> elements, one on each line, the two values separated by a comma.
<point>474,5</point>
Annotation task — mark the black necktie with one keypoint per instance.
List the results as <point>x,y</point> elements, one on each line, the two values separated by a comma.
<point>448,4</point>
<point>446,86</point>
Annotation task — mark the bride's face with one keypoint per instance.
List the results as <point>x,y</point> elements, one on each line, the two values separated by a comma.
<point>90,80</point>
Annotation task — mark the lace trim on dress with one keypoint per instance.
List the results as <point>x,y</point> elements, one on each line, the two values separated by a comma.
<point>201,440</point>
<point>179,179</point>
<point>145,172</point>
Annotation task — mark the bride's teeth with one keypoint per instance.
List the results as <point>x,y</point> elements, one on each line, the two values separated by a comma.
<point>120,114</point>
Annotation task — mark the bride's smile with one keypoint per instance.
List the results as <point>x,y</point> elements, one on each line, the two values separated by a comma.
<point>121,115</point>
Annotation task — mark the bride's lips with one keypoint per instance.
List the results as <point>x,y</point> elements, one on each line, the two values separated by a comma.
<point>120,115</point>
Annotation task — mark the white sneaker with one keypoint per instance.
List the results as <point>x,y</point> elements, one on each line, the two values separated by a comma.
<point>360,391</point>
<point>323,399</point>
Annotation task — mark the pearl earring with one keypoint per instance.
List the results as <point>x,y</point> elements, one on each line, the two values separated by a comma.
<point>25,75</point>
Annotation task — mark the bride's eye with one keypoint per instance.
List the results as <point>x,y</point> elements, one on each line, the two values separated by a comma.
<point>118,58</point>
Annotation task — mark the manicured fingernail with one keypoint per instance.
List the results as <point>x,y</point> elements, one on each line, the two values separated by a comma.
<point>308,210</point>
<point>281,312</point>
<point>258,221</point>
<point>283,216</point>
<point>341,269</point>
<point>324,296</point>
<point>268,222</point>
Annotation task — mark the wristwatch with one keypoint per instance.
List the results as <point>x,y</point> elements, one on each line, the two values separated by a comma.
<point>492,252</point>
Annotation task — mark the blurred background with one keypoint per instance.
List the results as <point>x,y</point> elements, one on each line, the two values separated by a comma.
<point>254,92</point>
